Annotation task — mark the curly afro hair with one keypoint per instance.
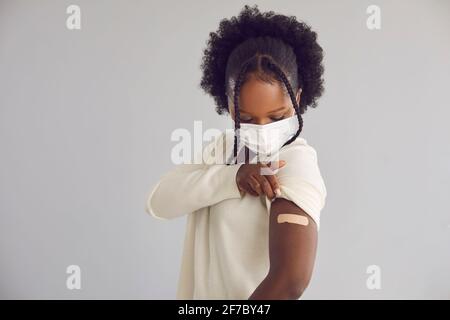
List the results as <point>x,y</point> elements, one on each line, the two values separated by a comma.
<point>289,44</point>
<point>269,46</point>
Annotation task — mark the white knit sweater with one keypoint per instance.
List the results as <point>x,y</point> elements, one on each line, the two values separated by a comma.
<point>226,245</point>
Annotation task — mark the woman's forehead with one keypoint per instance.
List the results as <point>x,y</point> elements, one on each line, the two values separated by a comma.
<point>262,97</point>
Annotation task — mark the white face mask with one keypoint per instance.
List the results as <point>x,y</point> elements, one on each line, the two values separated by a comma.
<point>267,139</point>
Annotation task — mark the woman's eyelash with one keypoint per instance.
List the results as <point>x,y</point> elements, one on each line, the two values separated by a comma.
<point>274,119</point>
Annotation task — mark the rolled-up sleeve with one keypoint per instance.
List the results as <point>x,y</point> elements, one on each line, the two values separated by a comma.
<point>301,181</point>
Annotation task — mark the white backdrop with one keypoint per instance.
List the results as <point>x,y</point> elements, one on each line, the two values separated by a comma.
<point>86,117</point>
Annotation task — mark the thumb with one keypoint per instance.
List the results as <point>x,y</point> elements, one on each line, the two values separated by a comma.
<point>241,191</point>
<point>276,164</point>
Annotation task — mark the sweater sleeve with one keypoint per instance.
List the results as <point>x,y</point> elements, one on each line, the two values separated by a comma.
<point>301,181</point>
<point>189,187</point>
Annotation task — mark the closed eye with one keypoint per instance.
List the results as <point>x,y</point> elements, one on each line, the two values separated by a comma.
<point>273,119</point>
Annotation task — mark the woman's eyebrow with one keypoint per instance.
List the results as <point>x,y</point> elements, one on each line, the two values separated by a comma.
<point>282,108</point>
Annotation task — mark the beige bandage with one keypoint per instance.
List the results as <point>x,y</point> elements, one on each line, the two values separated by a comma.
<point>292,218</point>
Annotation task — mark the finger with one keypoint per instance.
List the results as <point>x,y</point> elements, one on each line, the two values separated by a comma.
<point>267,188</point>
<point>255,185</point>
<point>273,180</point>
<point>241,190</point>
<point>265,170</point>
<point>274,165</point>
<point>250,190</point>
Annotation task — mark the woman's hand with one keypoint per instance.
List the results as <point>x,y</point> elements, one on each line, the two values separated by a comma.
<point>254,178</point>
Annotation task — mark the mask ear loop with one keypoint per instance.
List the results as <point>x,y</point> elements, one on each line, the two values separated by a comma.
<point>298,104</point>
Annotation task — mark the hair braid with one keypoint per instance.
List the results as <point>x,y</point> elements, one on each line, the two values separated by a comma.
<point>237,114</point>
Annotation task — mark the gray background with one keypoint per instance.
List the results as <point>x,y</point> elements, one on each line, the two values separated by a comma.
<point>86,118</point>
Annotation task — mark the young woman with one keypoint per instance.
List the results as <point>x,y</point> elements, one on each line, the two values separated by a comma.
<point>252,224</point>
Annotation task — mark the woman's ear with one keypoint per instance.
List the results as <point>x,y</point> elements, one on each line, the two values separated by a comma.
<point>231,108</point>
<point>231,111</point>
<point>299,92</point>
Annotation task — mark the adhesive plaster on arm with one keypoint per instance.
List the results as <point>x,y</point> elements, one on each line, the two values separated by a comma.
<point>292,218</point>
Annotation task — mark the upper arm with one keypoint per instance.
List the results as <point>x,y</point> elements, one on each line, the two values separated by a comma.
<point>292,246</point>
